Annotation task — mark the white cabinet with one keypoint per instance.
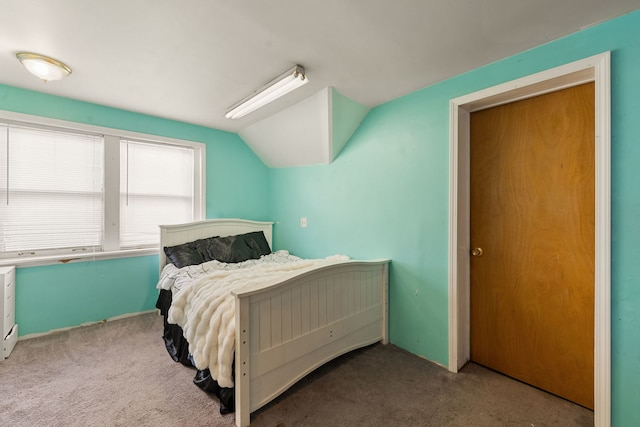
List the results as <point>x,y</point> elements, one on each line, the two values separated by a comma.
<point>8,310</point>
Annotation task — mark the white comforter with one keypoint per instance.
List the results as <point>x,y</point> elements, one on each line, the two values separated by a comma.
<point>204,306</point>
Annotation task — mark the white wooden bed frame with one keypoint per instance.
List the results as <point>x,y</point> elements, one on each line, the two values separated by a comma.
<point>284,330</point>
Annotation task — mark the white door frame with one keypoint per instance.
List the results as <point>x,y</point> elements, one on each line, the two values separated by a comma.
<point>593,69</point>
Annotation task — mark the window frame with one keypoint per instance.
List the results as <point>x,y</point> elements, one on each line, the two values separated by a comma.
<point>111,226</point>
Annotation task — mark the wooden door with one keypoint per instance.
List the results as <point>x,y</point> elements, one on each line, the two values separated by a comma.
<point>533,216</point>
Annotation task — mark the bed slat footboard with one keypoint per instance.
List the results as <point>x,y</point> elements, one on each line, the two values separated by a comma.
<point>287,330</point>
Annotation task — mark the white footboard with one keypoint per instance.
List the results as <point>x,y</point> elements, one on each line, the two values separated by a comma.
<point>287,330</point>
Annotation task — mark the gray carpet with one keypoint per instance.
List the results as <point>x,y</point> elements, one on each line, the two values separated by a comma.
<point>119,374</point>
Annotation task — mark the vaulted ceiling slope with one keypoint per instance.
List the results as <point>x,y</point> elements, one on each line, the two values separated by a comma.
<point>310,132</point>
<point>190,60</point>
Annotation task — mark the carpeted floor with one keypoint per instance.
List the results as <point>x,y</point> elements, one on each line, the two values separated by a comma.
<point>119,374</point>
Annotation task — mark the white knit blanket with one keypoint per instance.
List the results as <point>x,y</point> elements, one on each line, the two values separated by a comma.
<point>205,309</point>
<point>173,278</point>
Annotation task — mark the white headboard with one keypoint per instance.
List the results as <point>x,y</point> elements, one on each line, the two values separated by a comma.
<point>171,235</point>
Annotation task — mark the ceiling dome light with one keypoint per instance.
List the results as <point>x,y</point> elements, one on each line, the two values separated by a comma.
<point>43,67</point>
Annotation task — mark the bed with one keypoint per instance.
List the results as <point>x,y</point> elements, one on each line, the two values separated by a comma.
<point>284,328</point>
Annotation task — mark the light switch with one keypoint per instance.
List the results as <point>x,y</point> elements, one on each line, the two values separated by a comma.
<point>303,221</point>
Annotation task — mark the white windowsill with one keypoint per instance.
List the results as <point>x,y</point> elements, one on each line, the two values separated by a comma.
<point>70,258</point>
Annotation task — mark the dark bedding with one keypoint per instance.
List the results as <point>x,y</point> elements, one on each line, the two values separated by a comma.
<point>178,349</point>
<point>229,249</point>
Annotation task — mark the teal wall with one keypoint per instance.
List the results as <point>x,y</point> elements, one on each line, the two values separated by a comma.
<point>54,297</point>
<point>58,296</point>
<point>386,195</point>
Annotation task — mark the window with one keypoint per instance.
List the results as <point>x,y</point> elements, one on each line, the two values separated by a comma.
<point>156,187</point>
<point>75,189</point>
<point>51,190</point>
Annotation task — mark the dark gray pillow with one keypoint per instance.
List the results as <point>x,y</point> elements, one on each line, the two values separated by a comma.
<point>183,255</point>
<point>233,249</point>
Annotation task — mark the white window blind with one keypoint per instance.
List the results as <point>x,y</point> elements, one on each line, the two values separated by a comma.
<point>51,185</point>
<point>156,187</point>
<point>91,192</point>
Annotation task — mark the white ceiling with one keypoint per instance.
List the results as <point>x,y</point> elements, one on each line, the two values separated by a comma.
<point>189,60</point>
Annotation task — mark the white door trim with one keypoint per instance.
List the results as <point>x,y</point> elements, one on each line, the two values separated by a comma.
<point>593,69</point>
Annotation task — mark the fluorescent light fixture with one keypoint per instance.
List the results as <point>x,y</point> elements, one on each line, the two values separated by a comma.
<point>43,67</point>
<point>280,86</point>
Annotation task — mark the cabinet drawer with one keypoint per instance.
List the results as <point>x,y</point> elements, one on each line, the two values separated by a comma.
<point>9,300</point>
<point>9,342</point>
<point>9,320</point>
<point>10,277</point>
